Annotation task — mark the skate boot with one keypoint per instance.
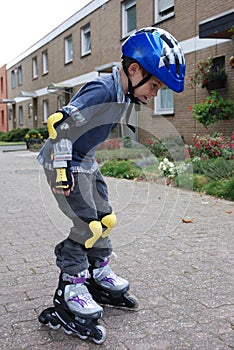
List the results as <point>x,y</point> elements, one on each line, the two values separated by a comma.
<point>107,288</point>
<point>75,310</point>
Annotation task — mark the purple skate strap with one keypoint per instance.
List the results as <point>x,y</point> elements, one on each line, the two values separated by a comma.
<point>104,263</point>
<point>76,279</point>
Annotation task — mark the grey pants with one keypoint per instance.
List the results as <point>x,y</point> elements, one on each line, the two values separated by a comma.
<point>86,203</point>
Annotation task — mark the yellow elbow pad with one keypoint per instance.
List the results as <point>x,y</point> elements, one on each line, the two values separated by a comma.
<point>52,120</point>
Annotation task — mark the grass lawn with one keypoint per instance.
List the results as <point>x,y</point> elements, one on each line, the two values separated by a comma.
<point>11,143</point>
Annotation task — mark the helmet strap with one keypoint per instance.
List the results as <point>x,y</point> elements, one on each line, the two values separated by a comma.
<point>131,88</point>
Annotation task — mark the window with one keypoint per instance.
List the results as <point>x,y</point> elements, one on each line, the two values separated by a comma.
<point>218,63</point>
<point>13,83</point>
<point>60,102</point>
<point>163,9</point>
<point>85,40</point>
<point>44,62</point>
<point>20,75</point>
<point>21,115</point>
<point>30,110</point>
<point>45,110</point>
<point>164,102</point>
<point>128,17</point>
<point>2,87</point>
<point>34,68</point>
<point>68,49</point>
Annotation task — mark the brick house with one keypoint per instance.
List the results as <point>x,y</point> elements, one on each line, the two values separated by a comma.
<point>44,77</point>
<point>3,97</point>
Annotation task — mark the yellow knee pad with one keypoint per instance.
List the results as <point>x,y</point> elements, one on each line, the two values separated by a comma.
<point>109,221</point>
<point>96,229</point>
<point>53,119</point>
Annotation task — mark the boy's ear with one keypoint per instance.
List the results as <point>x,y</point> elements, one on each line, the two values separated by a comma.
<point>133,68</point>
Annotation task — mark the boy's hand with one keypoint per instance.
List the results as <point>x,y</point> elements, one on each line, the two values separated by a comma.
<point>62,181</point>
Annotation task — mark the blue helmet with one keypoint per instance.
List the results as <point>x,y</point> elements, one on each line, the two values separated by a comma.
<point>159,53</point>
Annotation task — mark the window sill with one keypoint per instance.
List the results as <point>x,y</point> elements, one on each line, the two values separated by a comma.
<point>165,18</point>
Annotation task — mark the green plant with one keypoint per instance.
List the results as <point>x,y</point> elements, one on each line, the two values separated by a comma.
<point>205,72</point>
<point>221,188</point>
<point>213,109</point>
<point>220,168</point>
<point>124,169</point>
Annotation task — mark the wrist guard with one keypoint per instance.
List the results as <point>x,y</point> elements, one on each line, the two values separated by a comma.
<point>58,126</point>
<point>61,179</point>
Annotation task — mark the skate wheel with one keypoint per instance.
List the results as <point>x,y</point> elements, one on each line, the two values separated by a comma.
<point>67,331</point>
<point>101,337</point>
<point>134,304</point>
<point>55,327</point>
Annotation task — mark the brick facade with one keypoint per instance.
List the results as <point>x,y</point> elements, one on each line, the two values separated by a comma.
<point>106,39</point>
<point>3,96</point>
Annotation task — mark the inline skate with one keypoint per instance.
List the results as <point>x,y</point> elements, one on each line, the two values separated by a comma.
<point>107,288</point>
<point>75,310</point>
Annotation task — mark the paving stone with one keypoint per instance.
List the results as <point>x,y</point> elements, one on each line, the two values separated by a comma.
<point>181,273</point>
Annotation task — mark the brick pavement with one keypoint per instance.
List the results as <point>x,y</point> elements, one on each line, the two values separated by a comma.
<point>182,273</point>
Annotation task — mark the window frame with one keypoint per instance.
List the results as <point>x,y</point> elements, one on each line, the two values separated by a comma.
<point>158,109</point>
<point>160,18</point>
<point>126,5</point>
<point>68,50</point>
<point>84,40</point>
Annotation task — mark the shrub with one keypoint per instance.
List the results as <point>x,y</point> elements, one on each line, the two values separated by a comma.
<point>221,188</point>
<point>2,135</point>
<point>206,147</point>
<point>123,169</point>
<point>171,147</point>
<point>44,132</point>
<point>15,135</point>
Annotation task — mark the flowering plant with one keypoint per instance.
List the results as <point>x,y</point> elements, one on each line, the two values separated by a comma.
<point>215,146</point>
<point>33,135</point>
<point>213,109</point>
<point>206,72</point>
<point>167,168</point>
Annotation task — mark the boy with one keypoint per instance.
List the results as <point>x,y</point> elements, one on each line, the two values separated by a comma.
<point>151,59</point>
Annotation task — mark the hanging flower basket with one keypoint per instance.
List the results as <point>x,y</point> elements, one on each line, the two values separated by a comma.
<point>213,109</point>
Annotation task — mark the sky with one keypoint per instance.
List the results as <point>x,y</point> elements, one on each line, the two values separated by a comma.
<point>24,22</point>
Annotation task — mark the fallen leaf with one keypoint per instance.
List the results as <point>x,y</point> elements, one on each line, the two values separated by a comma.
<point>228,212</point>
<point>187,221</point>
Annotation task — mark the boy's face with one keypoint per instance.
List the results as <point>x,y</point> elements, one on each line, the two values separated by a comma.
<point>147,90</point>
